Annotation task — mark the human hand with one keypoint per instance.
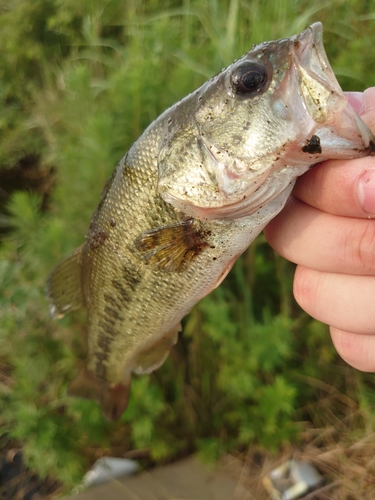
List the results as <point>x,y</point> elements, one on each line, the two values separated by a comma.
<point>328,229</point>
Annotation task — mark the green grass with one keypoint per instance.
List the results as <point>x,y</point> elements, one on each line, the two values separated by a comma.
<point>79,81</point>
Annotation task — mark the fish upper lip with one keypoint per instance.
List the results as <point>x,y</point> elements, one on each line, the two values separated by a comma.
<point>319,88</point>
<point>310,37</point>
<point>305,44</point>
<point>315,30</point>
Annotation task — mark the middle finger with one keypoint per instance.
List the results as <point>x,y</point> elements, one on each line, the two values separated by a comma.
<point>324,242</point>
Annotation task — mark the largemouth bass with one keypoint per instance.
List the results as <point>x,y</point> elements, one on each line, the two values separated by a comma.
<point>190,196</point>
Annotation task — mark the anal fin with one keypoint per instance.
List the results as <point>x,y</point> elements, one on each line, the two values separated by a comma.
<point>64,285</point>
<point>151,358</point>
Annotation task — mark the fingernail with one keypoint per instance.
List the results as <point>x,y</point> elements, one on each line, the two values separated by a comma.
<point>356,100</point>
<point>366,192</point>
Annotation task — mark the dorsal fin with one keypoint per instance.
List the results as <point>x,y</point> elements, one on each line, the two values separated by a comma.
<point>64,285</point>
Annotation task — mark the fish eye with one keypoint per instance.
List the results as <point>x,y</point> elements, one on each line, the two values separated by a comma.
<point>249,77</point>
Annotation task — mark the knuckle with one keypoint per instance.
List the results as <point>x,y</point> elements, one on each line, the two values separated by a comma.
<point>304,288</point>
<point>362,247</point>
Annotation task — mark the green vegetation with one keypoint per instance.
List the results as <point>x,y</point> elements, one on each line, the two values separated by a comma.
<point>79,82</point>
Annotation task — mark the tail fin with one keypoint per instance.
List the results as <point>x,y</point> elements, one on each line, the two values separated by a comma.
<point>115,400</point>
<point>112,398</point>
<point>64,285</point>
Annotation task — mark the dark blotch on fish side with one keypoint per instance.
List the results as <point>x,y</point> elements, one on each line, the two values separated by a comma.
<point>132,277</point>
<point>104,342</point>
<point>100,368</point>
<point>313,145</point>
<point>106,337</point>
<point>97,238</point>
<point>112,312</point>
<point>113,304</point>
<point>121,290</point>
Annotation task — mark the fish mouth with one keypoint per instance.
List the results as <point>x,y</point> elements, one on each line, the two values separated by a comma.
<point>340,130</point>
<point>318,85</point>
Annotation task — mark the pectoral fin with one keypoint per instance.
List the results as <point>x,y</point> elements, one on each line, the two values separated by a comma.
<point>153,357</point>
<point>170,248</point>
<point>112,398</point>
<point>64,289</point>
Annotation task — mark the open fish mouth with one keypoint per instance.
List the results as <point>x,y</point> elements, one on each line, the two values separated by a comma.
<point>319,88</point>
<point>339,129</point>
<point>287,112</point>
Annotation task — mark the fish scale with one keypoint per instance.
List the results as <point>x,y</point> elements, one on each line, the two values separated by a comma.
<point>190,196</point>
<point>151,289</point>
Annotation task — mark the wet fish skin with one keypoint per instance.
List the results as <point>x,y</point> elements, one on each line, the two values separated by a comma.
<point>190,196</point>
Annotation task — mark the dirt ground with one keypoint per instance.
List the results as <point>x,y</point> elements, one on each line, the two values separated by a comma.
<point>187,479</point>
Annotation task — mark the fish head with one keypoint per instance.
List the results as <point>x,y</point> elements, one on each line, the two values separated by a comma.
<point>243,138</point>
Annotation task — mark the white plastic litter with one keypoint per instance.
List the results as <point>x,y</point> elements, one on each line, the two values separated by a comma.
<point>292,480</point>
<point>108,468</point>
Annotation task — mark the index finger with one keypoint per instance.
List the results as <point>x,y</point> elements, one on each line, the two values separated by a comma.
<point>344,187</point>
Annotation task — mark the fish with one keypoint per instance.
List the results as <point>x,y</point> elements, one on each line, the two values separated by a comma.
<point>190,196</point>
